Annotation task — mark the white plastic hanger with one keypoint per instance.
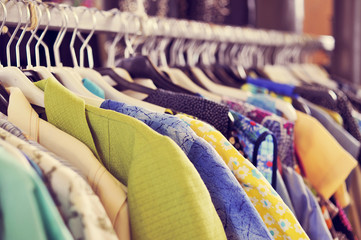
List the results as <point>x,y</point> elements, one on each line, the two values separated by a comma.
<point>217,88</point>
<point>13,76</point>
<point>88,73</point>
<point>110,92</point>
<point>207,50</point>
<point>180,78</point>
<point>43,72</point>
<point>124,19</point>
<point>5,13</point>
<point>66,75</point>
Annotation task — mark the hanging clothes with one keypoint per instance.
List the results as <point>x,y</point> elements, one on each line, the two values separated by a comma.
<point>81,209</point>
<point>24,194</point>
<point>102,182</point>
<point>276,215</point>
<point>223,187</point>
<point>153,155</point>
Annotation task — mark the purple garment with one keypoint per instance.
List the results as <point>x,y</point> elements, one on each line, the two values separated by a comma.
<point>307,209</point>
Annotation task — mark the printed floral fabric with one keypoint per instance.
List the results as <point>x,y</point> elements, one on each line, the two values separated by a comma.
<point>280,127</point>
<point>81,209</point>
<point>259,144</point>
<point>278,218</point>
<point>227,195</point>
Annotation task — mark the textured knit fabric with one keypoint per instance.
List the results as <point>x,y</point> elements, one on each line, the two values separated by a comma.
<point>280,127</point>
<point>342,105</point>
<point>93,88</point>
<point>325,162</point>
<point>81,209</point>
<point>206,110</point>
<point>278,218</point>
<point>259,144</point>
<point>240,219</point>
<point>354,99</point>
<point>28,212</point>
<point>166,196</point>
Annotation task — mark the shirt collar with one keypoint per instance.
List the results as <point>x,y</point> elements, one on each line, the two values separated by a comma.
<point>59,104</point>
<point>20,108</point>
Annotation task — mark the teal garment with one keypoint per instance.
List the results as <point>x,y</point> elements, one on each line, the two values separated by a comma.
<point>28,212</point>
<point>93,88</point>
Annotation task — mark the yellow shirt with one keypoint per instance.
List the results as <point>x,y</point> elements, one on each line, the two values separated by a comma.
<point>278,218</point>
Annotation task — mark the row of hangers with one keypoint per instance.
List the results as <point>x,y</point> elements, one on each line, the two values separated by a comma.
<point>211,67</point>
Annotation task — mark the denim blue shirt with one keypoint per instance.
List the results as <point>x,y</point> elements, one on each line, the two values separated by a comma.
<point>240,219</point>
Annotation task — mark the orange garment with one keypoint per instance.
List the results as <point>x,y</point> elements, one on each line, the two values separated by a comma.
<point>325,162</point>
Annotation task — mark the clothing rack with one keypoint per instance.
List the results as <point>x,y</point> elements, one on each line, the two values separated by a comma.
<point>114,21</point>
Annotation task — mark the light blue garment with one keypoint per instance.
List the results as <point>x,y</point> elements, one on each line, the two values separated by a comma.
<point>239,217</point>
<point>307,210</point>
<point>282,191</point>
<point>263,101</point>
<point>35,167</point>
<point>93,88</point>
<point>28,211</point>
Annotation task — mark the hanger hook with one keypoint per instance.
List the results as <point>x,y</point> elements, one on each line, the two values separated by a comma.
<point>86,41</point>
<point>17,46</point>
<point>118,36</point>
<point>181,28</point>
<point>33,32</point>
<point>5,12</point>
<point>88,47</point>
<point>61,34</point>
<point>40,40</point>
<point>8,56</point>
<point>182,45</point>
<point>131,41</point>
<point>73,36</point>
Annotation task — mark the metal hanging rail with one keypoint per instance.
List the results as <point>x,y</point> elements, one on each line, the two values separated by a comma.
<point>114,21</point>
